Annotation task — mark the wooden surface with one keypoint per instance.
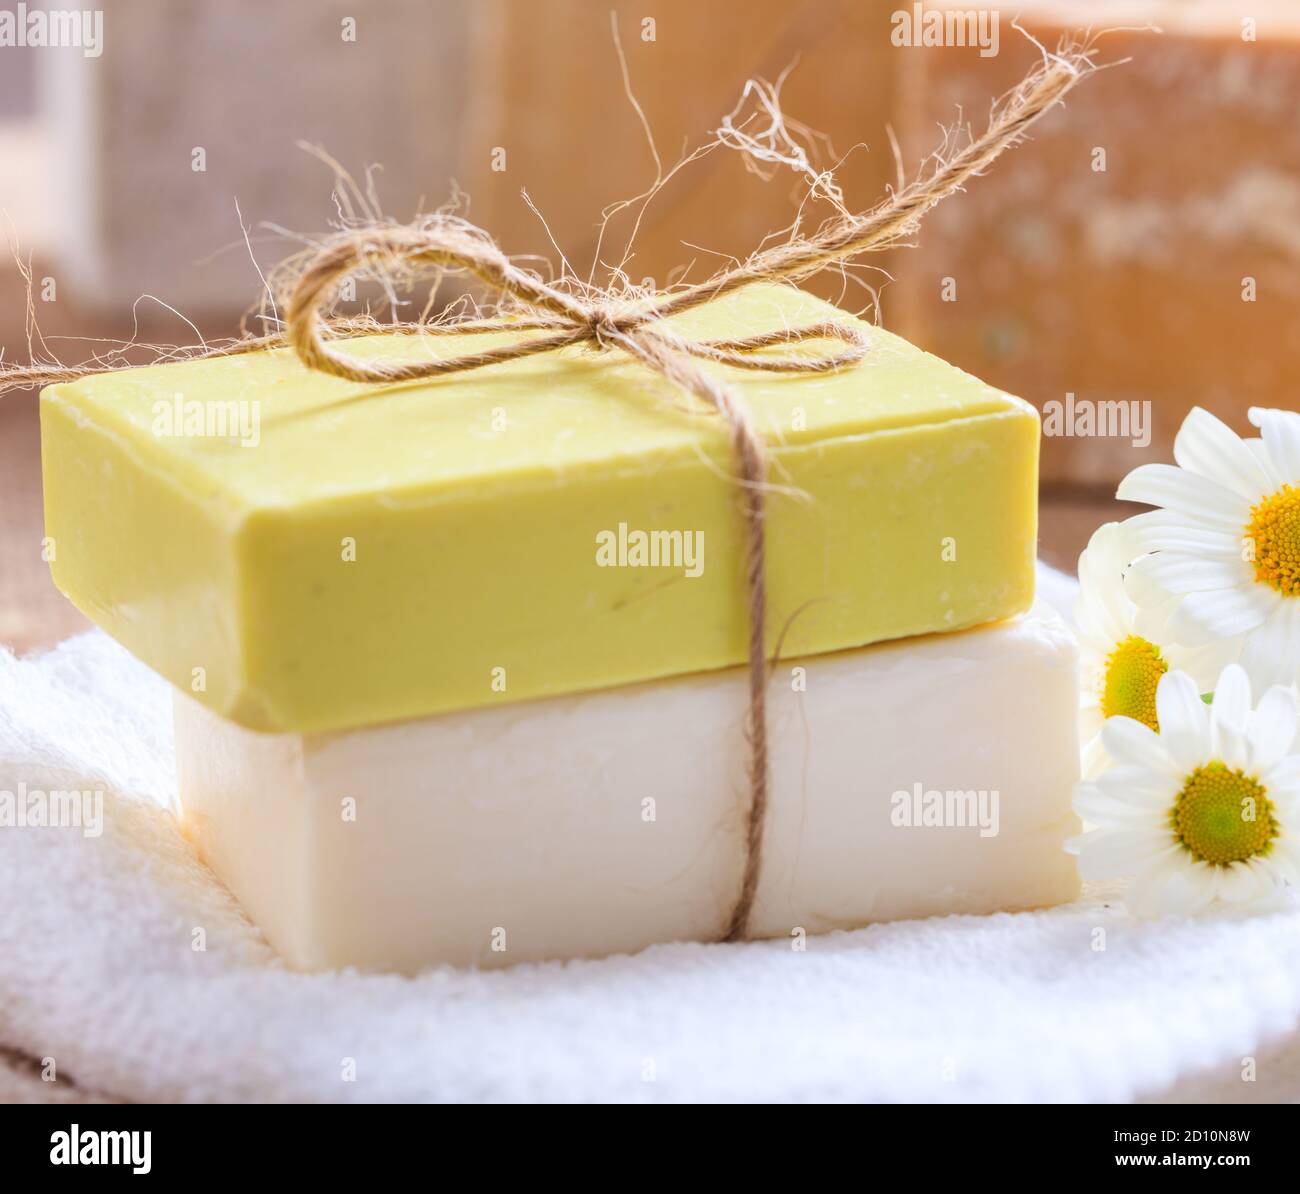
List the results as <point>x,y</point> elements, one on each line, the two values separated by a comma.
<point>32,612</point>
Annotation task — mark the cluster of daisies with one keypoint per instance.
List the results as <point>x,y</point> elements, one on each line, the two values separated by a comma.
<point>1191,788</point>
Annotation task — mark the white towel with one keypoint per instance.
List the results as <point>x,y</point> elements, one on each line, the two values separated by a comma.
<point>98,972</point>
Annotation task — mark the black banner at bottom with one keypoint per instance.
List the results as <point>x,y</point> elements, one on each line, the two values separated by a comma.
<point>364,1142</point>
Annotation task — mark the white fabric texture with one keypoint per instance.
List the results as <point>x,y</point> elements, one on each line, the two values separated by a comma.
<point>97,971</point>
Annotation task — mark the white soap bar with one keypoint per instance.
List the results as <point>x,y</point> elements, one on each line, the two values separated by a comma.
<point>914,778</point>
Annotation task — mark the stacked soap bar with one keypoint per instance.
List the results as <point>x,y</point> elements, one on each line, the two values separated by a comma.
<point>439,642</point>
<point>909,779</point>
<point>346,556</point>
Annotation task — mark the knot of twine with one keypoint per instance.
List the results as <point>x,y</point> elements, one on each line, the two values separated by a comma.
<point>602,320</point>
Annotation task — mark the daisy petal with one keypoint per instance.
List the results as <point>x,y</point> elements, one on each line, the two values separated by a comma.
<point>1207,502</point>
<point>1260,452</point>
<point>1204,664</point>
<point>1109,550</point>
<point>1165,530</point>
<point>1177,572</point>
<point>1151,622</point>
<point>1184,720</point>
<point>1244,882</point>
<point>1280,430</point>
<point>1098,628</point>
<point>1229,713</point>
<point>1271,651</point>
<point>1286,808</point>
<point>1104,810</point>
<point>1129,741</point>
<point>1140,788</point>
<point>1102,607</point>
<point>1094,758</point>
<point>1174,884</point>
<point>1272,728</point>
<point>1118,853</point>
<point>1202,618</point>
<point>1285,858</point>
<point>1141,588</point>
<point>1282,777</point>
<point>1208,446</point>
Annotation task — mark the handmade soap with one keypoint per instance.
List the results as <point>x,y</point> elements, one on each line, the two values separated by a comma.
<point>1138,256</point>
<point>346,555</point>
<point>908,779</point>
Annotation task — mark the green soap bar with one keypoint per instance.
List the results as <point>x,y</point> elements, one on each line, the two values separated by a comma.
<point>303,553</point>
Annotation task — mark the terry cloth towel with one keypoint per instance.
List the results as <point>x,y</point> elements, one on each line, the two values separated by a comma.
<point>97,971</point>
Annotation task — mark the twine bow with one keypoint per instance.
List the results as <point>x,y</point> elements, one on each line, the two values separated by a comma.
<point>601,320</point>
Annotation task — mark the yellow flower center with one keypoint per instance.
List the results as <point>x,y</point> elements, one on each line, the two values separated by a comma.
<point>1274,533</point>
<point>1133,670</point>
<point>1223,816</point>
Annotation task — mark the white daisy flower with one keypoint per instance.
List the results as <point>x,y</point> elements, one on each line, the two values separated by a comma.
<point>1205,812</point>
<point>1125,648</point>
<point>1226,540</point>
